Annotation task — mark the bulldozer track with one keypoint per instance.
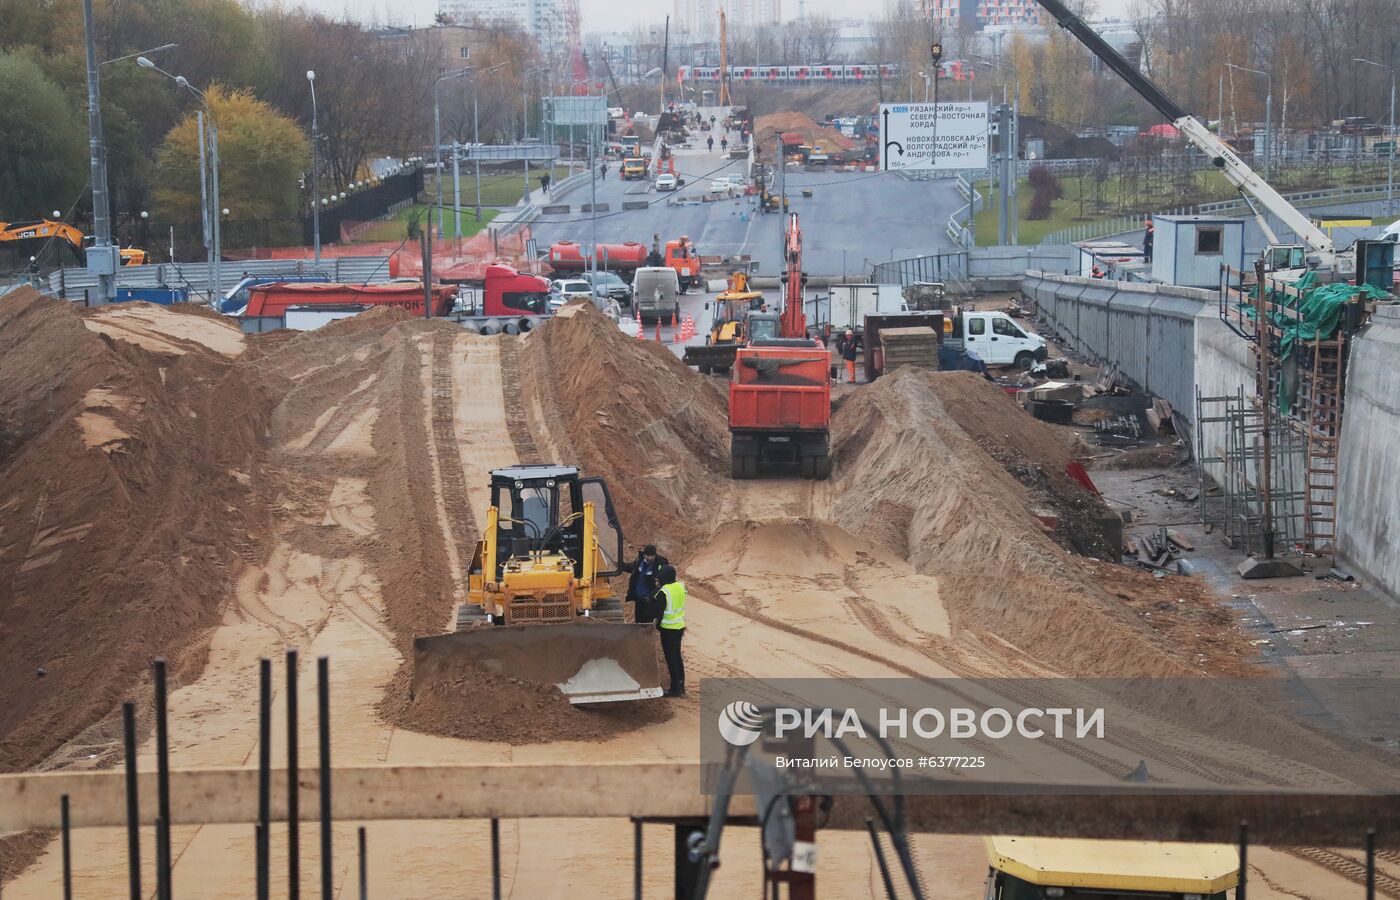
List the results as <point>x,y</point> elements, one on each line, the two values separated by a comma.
<point>345,413</point>
<point>517,423</point>
<point>453,480</point>
<point>1346,867</point>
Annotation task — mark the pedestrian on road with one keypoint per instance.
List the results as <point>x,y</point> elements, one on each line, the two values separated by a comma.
<point>1147,243</point>
<point>672,628</point>
<point>724,145</point>
<point>710,143</point>
<point>644,583</point>
<point>849,346</point>
<point>544,183</point>
<point>605,168</point>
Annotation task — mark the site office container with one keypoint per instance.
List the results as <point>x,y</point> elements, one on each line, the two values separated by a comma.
<point>780,389</point>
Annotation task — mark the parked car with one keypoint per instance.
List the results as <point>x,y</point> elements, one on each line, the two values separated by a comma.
<point>562,290</point>
<point>720,186</point>
<point>608,286</point>
<point>665,182</point>
<point>736,180</point>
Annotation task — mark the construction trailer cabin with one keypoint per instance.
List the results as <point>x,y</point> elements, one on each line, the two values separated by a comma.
<point>1106,254</point>
<point>1189,250</point>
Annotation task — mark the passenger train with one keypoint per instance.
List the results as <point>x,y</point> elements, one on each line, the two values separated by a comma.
<point>847,74</point>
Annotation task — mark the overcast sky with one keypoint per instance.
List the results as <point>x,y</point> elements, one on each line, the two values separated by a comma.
<point>609,15</point>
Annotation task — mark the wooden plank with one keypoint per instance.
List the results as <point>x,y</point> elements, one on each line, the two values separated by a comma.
<point>668,791</point>
<point>223,796</point>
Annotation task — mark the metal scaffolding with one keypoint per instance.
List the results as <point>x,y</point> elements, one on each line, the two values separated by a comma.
<point>1305,392</point>
<point>1231,475</point>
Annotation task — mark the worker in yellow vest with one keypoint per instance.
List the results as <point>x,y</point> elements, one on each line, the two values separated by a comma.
<point>672,627</point>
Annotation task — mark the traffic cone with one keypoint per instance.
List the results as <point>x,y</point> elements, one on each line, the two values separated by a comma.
<point>658,329</point>
<point>673,318</point>
<point>641,335</point>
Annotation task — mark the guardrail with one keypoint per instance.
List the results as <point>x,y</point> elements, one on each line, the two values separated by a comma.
<point>73,283</point>
<point>516,219</point>
<point>1122,224</point>
<point>957,233</point>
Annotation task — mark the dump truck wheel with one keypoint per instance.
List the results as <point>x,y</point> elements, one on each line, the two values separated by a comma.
<point>736,467</point>
<point>809,466</point>
<point>823,468</point>
<point>750,466</point>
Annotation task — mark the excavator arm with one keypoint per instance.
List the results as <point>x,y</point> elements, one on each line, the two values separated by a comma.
<point>794,321</point>
<point>1256,191</point>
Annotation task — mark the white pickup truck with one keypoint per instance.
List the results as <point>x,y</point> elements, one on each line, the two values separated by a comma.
<point>996,338</point>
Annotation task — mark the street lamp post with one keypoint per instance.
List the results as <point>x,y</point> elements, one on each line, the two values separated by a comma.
<point>1010,150</point>
<point>437,143</point>
<point>103,256</point>
<point>1390,157</point>
<point>1268,113</point>
<point>315,173</point>
<point>214,223</point>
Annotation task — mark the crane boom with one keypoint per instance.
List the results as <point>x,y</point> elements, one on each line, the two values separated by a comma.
<point>1255,189</point>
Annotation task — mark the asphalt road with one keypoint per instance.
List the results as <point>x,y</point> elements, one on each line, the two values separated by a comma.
<point>851,219</point>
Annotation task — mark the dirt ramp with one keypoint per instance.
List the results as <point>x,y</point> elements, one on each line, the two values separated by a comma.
<point>910,475</point>
<point>632,412</point>
<point>127,502</point>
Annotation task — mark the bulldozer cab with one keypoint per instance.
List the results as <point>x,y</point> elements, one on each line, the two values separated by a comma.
<point>541,513</point>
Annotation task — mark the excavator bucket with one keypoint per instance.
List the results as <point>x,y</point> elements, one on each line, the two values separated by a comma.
<point>590,662</point>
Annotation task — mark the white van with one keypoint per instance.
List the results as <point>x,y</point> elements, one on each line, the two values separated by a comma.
<point>656,293</point>
<point>998,339</point>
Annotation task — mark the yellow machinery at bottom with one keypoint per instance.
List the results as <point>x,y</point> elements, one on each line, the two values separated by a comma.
<point>1037,868</point>
<point>540,606</point>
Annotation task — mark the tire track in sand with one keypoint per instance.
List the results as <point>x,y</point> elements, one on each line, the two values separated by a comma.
<point>1346,867</point>
<point>452,479</point>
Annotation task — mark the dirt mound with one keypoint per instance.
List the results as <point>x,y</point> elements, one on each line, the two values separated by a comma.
<point>484,706</point>
<point>914,476</point>
<point>129,445</point>
<point>1036,455</point>
<point>632,412</point>
<point>799,123</point>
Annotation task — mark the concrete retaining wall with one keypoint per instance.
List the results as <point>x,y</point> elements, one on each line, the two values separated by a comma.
<point>1148,331</point>
<point>1369,495</point>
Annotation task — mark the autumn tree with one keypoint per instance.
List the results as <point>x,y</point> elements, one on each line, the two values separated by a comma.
<point>262,155</point>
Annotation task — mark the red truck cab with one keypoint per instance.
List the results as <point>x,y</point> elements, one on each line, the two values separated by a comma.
<point>503,291</point>
<point>780,407</point>
<point>682,256</point>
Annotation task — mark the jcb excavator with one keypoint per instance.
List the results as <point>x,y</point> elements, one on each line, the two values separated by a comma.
<point>32,237</point>
<point>729,326</point>
<point>539,605</point>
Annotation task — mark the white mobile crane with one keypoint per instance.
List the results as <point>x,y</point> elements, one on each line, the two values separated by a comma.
<point>1288,261</point>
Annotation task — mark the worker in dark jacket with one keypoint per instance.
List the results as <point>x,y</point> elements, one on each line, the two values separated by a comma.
<point>644,583</point>
<point>848,345</point>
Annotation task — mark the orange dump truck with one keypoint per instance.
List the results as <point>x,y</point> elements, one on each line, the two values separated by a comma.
<point>780,407</point>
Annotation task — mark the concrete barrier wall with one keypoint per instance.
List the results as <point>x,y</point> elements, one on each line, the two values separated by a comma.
<point>1147,331</point>
<point>1368,505</point>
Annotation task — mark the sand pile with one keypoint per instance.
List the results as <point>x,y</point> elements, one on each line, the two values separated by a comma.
<point>128,454</point>
<point>911,476</point>
<point>800,123</point>
<point>1035,454</point>
<point>633,413</point>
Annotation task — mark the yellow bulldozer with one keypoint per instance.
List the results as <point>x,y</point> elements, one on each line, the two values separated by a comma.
<point>540,606</point>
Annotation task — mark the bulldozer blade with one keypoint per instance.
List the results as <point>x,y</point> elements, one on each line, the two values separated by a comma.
<point>590,662</point>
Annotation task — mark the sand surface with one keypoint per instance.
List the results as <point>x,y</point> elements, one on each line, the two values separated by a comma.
<point>366,448</point>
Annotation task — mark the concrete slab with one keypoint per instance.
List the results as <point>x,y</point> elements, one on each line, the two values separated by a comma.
<point>1259,567</point>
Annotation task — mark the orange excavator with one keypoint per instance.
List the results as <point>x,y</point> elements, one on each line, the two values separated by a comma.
<point>780,389</point>
<point>31,237</point>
